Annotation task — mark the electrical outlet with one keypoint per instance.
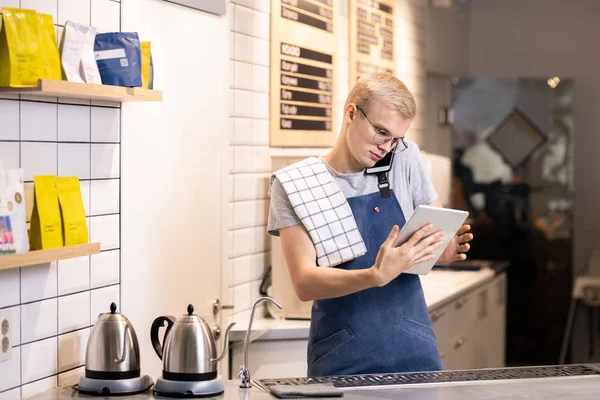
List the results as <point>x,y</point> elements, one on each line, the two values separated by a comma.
<point>5,343</point>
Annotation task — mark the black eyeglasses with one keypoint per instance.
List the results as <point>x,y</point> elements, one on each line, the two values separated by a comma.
<point>382,137</point>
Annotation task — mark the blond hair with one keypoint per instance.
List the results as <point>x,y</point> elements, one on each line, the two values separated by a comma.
<point>386,88</point>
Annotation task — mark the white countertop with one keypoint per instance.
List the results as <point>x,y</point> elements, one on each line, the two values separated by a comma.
<point>439,287</point>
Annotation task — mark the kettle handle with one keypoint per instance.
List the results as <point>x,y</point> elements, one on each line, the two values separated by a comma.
<point>159,322</point>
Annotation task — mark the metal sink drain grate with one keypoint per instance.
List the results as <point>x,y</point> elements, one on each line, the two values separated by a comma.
<point>439,377</point>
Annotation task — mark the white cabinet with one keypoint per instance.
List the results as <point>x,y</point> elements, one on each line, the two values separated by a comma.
<point>272,358</point>
<point>470,330</point>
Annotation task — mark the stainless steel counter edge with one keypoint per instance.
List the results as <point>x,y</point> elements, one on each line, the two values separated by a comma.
<point>575,387</point>
<point>281,329</point>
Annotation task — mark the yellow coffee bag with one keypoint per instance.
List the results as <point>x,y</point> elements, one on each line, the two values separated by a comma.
<point>145,49</point>
<point>50,59</point>
<point>20,63</point>
<point>46,224</point>
<point>72,210</point>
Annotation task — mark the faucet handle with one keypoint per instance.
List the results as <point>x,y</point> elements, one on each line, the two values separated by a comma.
<point>244,375</point>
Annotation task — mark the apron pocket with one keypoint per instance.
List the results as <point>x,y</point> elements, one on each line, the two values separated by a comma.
<point>326,345</point>
<point>418,329</point>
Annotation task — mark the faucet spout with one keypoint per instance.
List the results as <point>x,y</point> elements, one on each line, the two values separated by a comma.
<point>244,371</point>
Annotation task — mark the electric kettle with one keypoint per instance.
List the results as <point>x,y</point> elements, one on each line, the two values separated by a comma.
<point>112,358</point>
<point>188,351</point>
<point>112,350</point>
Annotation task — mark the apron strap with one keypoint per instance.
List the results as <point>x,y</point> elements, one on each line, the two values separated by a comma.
<point>383,184</point>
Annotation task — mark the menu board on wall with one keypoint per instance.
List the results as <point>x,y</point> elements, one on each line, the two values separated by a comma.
<point>303,88</point>
<point>371,37</point>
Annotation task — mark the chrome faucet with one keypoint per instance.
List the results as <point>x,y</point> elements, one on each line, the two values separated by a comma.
<point>244,373</point>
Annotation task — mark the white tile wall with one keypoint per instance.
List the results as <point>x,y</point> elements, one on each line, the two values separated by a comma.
<point>53,306</point>
<point>73,275</point>
<point>9,115</point>
<point>73,312</point>
<point>38,320</point>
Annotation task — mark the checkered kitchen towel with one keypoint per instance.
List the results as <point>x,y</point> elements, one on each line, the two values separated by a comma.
<point>324,211</point>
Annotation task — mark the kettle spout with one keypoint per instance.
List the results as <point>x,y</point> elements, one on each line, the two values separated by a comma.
<point>225,344</point>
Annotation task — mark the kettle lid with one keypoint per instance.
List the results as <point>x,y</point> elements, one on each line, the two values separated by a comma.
<point>190,317</point>
<point>112,315</point>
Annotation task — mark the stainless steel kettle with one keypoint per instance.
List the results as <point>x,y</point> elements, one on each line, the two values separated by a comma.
<point>188,351</point>
<point>112,350</point>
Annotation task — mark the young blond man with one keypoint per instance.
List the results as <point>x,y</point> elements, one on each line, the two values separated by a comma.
<point>367,316</point>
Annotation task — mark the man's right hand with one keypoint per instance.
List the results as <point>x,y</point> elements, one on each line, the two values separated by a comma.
<point>392,261</point>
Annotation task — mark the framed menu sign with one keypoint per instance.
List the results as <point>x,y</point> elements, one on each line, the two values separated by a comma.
<point>371,37</point>
<point>303,88</point>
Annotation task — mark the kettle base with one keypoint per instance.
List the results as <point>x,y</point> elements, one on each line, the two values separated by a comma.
<point>189,389</point>
<point>114,387</point>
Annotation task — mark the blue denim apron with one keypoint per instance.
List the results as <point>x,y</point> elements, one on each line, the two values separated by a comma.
<point>378,330</point>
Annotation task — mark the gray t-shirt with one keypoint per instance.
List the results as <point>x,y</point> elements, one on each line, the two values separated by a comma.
<point>408,178</point>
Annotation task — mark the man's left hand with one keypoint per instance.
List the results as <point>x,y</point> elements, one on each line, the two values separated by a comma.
<point>458,246</point>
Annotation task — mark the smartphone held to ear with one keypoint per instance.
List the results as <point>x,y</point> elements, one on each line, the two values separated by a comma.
<point>442,219</point>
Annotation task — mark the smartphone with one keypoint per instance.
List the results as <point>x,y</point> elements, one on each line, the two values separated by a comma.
<point>383,165</point>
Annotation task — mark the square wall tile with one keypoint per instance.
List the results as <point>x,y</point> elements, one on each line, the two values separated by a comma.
<point>105,268</point>
<point>261,211</point>
<point>243,48</point>
<point>260,105</point>
<point>38,320</point>
<point>38,121</point>
<point>242,242</point>
<point>261,186</point>
<point>85,195</point>
<point>242,159</point>
<point>261,239</point>
<point>10,154</point>
<point>105,196</point>
<point>243,20</point>
<point>261,23</point>
<point>260,261</point>
<point>9,115</point>
<point>33,366</point>
<point>101,300</point>
<point>230,214</point>
<point>42,6</point>
<point>106,230</point>
<point>71,349</point>
<point>260,78</point>
<point>260,52</point>
<point>71,377</point>
<point>10,370</point>
<point>12,394</point>
<point>38,387</point>
<point>74,160</point>
<point>75,11</point>
<point>242,77</point>
<point>260,132</point>
<point>105,161</point>
<point>9,3</point>
<point>73,123</point>
<point>73,312</point>
<point>242,269</point>
<point>242,106</point>
<point>243,214</point>
<point>15,322</point>
<point>262,5</point>
<point>106,124</point>
<point>38,282</point>
<point>10,287</point>
<point>106,15</point>
<point>242,130</point>
<point>73,275</point>
<point>38,159</point>
<point>243,187</point>
<point>242,297</point>
<point>261,160</point>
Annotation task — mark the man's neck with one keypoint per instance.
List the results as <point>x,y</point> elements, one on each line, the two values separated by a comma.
<point>340,159</point>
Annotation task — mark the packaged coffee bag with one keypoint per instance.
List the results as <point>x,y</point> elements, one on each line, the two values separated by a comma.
<point>119,60</point>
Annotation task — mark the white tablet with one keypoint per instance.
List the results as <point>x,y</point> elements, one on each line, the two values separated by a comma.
<point>445,219</point>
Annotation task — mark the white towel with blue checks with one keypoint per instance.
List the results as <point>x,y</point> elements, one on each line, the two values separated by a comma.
<point>323,209</point>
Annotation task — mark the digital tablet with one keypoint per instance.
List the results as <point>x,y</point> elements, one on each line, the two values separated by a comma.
<point>445,219</point>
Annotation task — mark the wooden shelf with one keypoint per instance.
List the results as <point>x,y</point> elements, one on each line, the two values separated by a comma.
<point>86,91</point>
<point>8,261</point>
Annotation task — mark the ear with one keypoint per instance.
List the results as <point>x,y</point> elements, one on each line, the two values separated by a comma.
<point>350,112</point>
